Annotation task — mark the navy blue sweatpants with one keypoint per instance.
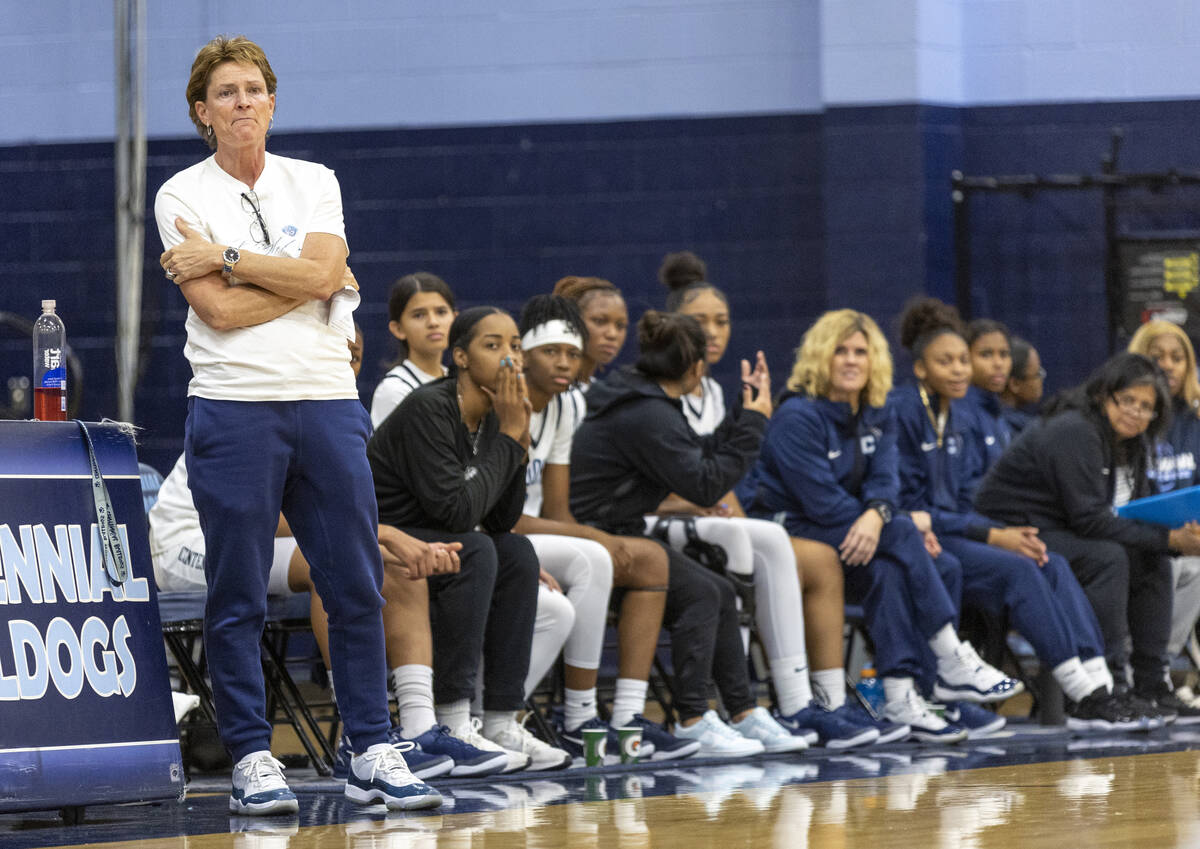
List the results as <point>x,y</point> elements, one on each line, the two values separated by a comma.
<point>906,599</point>
<point>247,461</point>
<point>1045,603</point>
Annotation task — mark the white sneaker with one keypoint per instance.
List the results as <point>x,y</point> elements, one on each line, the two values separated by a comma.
<point>380,774</point>
<point>963,676</point>
<point>259,788</point>
<point>761,726</point>
<point>469,733</point>
<point>516,737</point>
<point>913,711</point>
<point>718,740</point>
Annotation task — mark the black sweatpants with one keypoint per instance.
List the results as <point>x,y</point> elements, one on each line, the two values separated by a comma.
<point>706,644</point>
<point>487,608</point>
<point>1131,591</point>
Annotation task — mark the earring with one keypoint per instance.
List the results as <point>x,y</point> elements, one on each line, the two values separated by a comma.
<point>208,131</point>
<point>271,124</point>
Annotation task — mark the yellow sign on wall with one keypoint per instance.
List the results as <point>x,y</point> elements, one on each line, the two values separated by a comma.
<point>1181,274</point>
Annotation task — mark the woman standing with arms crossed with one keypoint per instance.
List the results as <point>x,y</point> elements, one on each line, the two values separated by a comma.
<point>257,246</point>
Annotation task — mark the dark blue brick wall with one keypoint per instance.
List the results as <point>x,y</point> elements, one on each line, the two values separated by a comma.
<point>1038,261</point>
<point>499,212</point>
<point>794,214</point>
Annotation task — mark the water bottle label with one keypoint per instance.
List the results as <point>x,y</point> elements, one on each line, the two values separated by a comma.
<point>56,377</point>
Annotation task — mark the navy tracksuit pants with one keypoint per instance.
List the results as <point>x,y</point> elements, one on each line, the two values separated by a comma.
<point>247,461</point>
<point>906,598</point>
<point>1044,603</point>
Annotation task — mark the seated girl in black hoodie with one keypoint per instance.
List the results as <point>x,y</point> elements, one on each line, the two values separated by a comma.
<point>1064,475</point>
<point>634,447</point>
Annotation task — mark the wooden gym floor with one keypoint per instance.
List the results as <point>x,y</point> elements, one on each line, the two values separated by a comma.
<point>1030,787</point>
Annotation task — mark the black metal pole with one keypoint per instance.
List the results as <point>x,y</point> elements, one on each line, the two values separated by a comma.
<point>1112,279</point>
<point>962,245</point>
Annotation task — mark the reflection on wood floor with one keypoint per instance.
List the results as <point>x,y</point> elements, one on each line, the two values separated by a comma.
<point>945,798</point>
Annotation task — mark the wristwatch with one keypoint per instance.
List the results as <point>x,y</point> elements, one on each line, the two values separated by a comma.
<point>883,509</point>
<point>231,256</point>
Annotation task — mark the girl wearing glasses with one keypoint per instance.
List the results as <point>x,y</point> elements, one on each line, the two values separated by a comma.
<point>1090,452</point>
<point>1178,452</point>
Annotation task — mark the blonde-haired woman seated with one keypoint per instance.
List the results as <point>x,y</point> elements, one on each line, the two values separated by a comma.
<point>1178,452</point>
<point>829,470</point>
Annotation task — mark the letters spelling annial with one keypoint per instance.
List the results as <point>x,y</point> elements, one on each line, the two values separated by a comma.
<point>38,568</point>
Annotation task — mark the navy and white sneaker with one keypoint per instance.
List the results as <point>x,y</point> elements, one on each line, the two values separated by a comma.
<point>834,729</point>
<point>380,775</point>
<point>468,760</point>
<point>889,732</point>
<point>259,788</point>
<point>963,676</point>
<point>979,721</point>
<point>926,725</point>
<point>667,747</point>
<point>422,764</point>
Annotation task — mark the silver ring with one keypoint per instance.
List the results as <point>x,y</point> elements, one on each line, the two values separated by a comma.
<point>171,275</point>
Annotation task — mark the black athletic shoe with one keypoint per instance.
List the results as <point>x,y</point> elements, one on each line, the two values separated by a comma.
<point>1155,716</point>
<point>1102,711</point>
<point>1165,700</point>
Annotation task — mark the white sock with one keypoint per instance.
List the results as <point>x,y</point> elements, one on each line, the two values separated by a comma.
<point>455,715</point>
<point>895,689</point>
<point>829,685</point>
<point>578,707</point>
<point>944,642</point>
<point>496,720</point>
<point>1074,679</point>
<point>630,698</point>
<point>792,691</point>
<point>412,684</point>
<point>1097,667</point>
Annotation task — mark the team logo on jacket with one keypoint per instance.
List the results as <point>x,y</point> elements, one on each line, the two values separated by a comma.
<point>867,443</point>
<point>833,455</point>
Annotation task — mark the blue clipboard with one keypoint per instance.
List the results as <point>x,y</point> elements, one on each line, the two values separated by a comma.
<point>1172,509</point>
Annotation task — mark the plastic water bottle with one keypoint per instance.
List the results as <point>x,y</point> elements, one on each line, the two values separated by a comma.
<point>871,689</point>
<point>49,366</point>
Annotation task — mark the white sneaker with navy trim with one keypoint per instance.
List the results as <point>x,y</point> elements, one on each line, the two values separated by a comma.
<point>259,788</point>
<point>380,774</point>
<point>964,676</point>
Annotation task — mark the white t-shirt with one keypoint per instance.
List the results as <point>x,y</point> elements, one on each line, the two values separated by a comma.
<point>705,413</point>
<point>396,386</point>
<point>552,431</point>
<point>300,355</point>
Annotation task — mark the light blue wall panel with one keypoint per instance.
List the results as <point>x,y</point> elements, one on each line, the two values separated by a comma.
<point>362,63</point>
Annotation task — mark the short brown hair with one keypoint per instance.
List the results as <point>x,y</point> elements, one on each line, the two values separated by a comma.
<point>221,49</point>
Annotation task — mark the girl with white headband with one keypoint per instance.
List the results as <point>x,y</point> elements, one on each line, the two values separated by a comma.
<point>585,561</point>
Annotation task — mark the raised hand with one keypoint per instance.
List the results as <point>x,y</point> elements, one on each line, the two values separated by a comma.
<point>756,386</point>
